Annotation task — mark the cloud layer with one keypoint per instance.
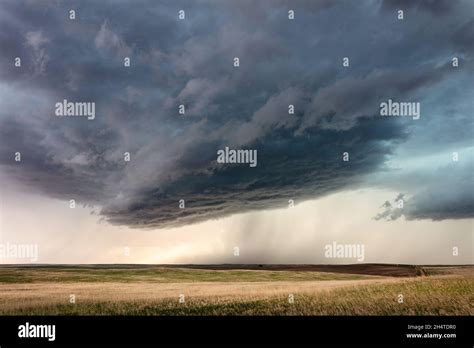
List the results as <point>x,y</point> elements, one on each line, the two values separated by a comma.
<point>190,62</point>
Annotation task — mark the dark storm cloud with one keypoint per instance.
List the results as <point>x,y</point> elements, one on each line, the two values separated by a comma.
<point>289,168</point>
<point>189,62</point>
<point>446,193</point>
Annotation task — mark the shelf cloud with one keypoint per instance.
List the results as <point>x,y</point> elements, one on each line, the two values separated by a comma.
<point>190,62</point>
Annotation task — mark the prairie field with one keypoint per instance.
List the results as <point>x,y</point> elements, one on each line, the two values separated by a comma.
<point>236,290</point>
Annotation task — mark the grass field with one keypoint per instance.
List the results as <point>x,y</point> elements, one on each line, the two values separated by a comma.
<point>158,275</point>
<point>155,290</point>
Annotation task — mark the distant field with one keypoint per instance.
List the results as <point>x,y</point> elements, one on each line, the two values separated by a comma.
<point>155,290</point>
<point>158,275</point>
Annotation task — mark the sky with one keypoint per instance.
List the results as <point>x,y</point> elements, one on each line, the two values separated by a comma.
<point>334,171</point>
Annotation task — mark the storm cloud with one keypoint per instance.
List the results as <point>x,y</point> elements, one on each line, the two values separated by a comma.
<point>443,194</point>
<point>190,62</point>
